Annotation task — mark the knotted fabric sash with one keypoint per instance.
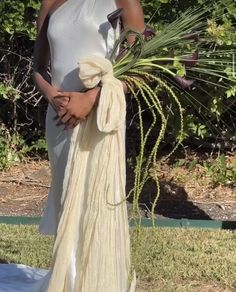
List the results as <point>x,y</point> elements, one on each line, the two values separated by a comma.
<point>92,226</point>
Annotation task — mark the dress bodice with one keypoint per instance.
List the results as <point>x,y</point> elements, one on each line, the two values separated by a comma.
<point>78,28</point>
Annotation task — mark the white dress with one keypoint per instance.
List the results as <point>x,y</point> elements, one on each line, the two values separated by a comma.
<point>78,28</point>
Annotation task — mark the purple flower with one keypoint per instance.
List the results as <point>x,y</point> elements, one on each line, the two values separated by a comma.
<point>190,60</point>
<point>148,33</point>
<point>183,82</point>
<point>114,17</point>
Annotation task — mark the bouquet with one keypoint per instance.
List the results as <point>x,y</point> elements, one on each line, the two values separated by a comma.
<point>94,215</point>
<point>164,60</point>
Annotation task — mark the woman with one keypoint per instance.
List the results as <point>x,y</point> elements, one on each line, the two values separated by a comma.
<point>65,100</point>
<point>67,31</point>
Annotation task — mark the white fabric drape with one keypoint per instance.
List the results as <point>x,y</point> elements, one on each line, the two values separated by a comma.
<point>94,214</point>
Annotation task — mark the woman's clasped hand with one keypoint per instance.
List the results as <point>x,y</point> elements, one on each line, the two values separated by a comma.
<point>74,107</point>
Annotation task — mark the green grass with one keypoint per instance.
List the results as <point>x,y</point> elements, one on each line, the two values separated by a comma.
<point>165,259</point>
<point>185,259</point>
<point>23,244</point>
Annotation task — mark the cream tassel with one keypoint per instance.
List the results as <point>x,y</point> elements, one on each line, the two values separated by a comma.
<point>94,217</point>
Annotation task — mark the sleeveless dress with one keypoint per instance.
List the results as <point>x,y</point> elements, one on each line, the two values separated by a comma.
<point>77,29</point>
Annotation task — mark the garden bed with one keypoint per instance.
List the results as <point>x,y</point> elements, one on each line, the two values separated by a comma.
<point>24,188</point>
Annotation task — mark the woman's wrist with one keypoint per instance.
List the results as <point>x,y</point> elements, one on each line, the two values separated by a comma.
<point>44,86</point>
<point>49,96</point>
<point>94,94</point>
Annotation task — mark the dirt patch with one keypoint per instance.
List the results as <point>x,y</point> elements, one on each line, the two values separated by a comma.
<point>193,189</point>
<point>24,188</point>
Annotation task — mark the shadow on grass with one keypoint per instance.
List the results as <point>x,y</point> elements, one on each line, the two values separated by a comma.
<point>172,202</point>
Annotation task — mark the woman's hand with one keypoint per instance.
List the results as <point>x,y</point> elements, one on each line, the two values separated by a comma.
<point>79,106</point>
<point>59,103</point>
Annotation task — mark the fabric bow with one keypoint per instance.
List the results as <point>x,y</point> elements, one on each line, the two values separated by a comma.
<point>112,107</point>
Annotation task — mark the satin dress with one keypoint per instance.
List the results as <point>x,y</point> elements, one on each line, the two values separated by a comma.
<point>76,29</point>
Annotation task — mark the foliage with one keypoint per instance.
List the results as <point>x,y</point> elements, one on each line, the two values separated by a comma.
<point>221,171</point>
<point>18,19</point>
<point>13,148</point>
<point>162,62</point>
<point>212,114</point>
<point>160,12</point>
<point>22,109</point>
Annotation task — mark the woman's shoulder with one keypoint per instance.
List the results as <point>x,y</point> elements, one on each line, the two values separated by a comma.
<point>127,3</point>
<point>132,16</point>
<point>47,5</point>
<point>45,10</point>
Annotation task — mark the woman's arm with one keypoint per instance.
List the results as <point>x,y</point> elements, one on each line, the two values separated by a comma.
<point>41,61</point>
<point>41,53</point>
<point>133,18</point>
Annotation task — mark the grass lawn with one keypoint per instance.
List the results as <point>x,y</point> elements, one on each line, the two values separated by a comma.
<point>165,259</point>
